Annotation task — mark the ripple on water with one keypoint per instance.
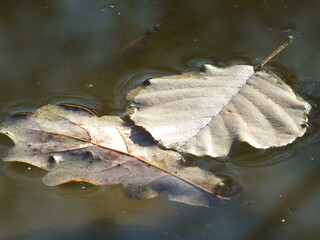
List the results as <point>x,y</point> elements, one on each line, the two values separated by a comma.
<point>248,156</point>
<point>231,185</point>
<point>312,135</point>
<point>84,100</point>
<point>79,189</point>
<point>130,81</point>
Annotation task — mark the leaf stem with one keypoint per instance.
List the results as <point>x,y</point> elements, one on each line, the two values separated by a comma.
<point>274,53</point>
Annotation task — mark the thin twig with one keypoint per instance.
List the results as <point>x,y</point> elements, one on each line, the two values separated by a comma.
<point>149,31</point>
<point>274,53</point>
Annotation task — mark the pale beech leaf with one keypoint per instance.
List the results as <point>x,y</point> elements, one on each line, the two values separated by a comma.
<point>211,111</point>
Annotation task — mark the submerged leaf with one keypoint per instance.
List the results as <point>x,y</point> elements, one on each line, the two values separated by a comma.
<point>77,146</point>
<point>211,111</point>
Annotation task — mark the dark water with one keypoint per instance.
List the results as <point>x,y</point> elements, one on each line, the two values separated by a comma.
<point>68,51</point>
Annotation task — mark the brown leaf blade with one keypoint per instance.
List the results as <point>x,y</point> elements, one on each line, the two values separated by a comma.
<point>76,146</point>
<point>211,111</point>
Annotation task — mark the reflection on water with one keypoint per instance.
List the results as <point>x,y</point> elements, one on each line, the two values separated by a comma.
<point>68,51</point>
<point>249,157</point>
<point>85,100</point>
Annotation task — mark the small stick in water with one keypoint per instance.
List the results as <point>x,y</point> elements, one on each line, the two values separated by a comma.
<point>149,31</point>
<point>275,52</point>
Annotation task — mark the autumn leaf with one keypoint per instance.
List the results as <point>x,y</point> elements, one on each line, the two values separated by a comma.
<point>74,145</point>
<point>205,112</point>
<point>212,110</point>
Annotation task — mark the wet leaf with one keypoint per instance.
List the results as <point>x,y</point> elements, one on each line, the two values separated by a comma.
<point>74,145</point>
<point>211,111</point>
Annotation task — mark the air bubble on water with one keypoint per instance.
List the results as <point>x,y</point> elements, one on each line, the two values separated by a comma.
<point>110,6</point>
<point>222,184</point>
<point>283,220</point>
<point>289,211</point>
<point>29,168</point>
<point>288,30</point>
<point>89,85</point>
<point>280,196</point>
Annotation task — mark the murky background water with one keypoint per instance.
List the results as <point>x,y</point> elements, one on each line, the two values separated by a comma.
<point>69,51</point>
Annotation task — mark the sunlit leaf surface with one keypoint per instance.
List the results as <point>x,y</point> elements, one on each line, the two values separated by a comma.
<point>211,111</point>
<point>74,145</point>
